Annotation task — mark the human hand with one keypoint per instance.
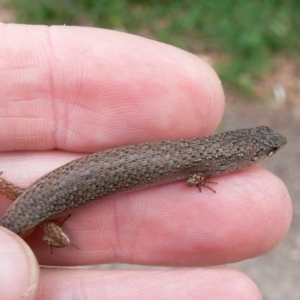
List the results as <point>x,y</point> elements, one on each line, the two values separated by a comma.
<point>83,90</point>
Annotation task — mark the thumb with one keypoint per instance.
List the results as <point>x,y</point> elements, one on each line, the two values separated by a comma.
<point>19,268</point>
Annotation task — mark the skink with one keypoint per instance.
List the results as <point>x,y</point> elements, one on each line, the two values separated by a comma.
<point>119,170</point>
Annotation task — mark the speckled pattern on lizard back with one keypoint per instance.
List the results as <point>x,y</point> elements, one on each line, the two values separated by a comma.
<point>118,170</point>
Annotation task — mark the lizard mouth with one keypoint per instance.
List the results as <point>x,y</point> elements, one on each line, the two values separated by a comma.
<point>276,149</point>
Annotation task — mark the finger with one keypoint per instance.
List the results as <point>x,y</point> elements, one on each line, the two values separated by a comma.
<point>181,284</point>
<point>19,269</point>
<point>175,225</point>
<point>86,89</point>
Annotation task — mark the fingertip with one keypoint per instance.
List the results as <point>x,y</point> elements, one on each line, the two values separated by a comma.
<point>243,286</point>
<point>20,270</point>
<point>258,209</point>
<point>281,209</point>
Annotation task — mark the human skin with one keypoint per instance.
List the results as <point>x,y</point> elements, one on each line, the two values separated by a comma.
<point>66,91</point>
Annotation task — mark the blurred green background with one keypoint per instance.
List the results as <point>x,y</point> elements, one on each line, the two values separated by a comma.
<point>246,34</point>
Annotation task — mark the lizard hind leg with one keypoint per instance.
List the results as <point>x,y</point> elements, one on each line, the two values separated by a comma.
<point>54,235</point>
<point>9,190</point>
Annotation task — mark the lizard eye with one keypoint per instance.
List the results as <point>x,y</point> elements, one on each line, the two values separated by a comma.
<point>273,151</point>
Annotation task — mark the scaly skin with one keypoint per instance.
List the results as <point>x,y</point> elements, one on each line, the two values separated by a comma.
<point>114,171</point>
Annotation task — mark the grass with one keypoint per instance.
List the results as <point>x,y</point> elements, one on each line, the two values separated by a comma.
<point>249,33</point>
